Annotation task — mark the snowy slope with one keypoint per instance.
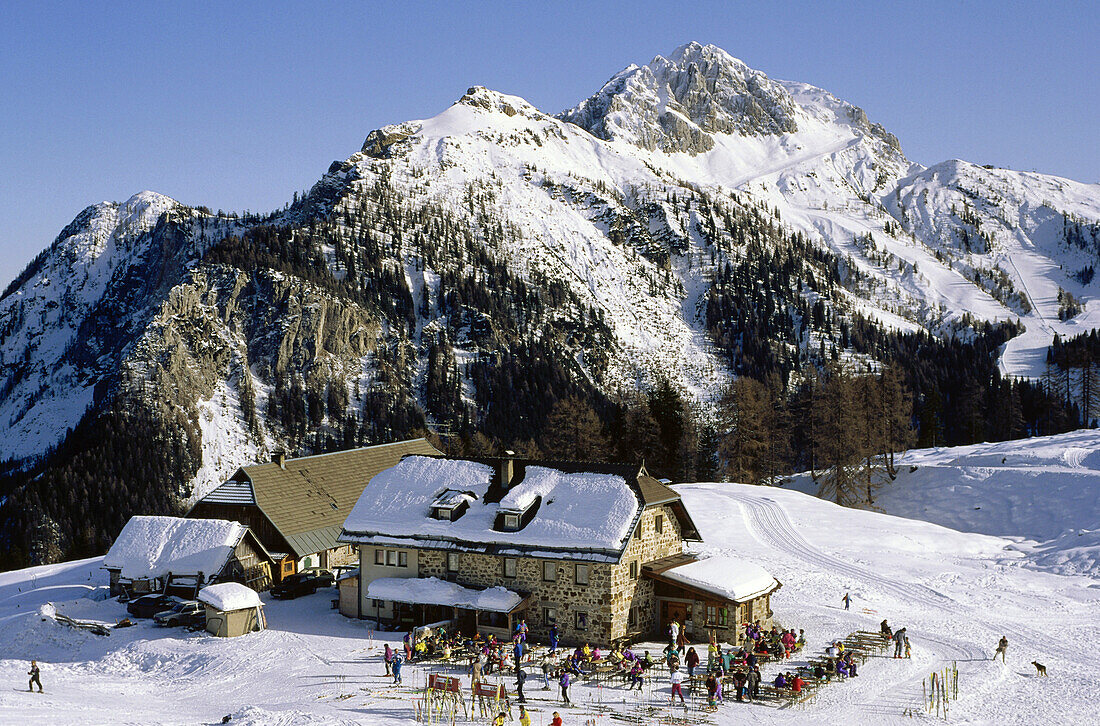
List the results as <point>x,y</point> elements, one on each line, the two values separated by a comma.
<point>956,592</point>
<point>1021,214</point>
<point>1043,493</point>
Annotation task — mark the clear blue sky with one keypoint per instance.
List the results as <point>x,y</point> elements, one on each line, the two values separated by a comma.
<point>237,105</point>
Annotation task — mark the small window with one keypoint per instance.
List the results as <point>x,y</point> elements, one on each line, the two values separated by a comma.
<point>402,559</point>
<point>632,618</point>
<point>582,620</point>
<point>549,615</point>
<point>375,603</point>
<point>379,557</point>
<point>391,558</point>
<point>452,562</point>
<point>509,567</point>
<point>581,575</point>
<point>634,569</point>
<point>549,570</point>
<point>659,524</point>
<point>638,530</point>
<point>511,522</point>
<point>712,614</point>
<point>723,616</point>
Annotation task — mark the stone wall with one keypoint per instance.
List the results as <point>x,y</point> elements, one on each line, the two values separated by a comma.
<point>563,595</point>
<point>627,591</point>
<point>604,602</point>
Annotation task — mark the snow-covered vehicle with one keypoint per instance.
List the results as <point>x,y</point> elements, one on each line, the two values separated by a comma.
<point>183,613</point>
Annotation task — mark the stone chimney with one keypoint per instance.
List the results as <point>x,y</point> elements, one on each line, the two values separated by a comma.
<point>505,470</point>
<point>279,457</point>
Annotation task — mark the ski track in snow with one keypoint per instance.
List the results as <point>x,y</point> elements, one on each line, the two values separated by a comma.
<point>768,521</point>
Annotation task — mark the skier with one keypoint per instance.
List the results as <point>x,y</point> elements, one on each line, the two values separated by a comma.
<point>524,717</point>
<point>908,648</point>
<point>397,669</point>
<point>712,687</point>
<point>692,662</point>
<point>387,657</point>
<point>847,601</point>
<point>753,679</point>
<point>676,677</point>
<point>564,683</point>
<point>899,642</point>
<point>546,666</point>
<point>739,680</point>
<point>636,676</point>
<point>1002,648</point>
<point>674,635</point>
<point>33,673</point>
<point>553,637</point>
<point>521,677</point>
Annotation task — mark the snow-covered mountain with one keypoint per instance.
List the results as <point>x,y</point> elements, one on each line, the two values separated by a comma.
<point>499,253</point>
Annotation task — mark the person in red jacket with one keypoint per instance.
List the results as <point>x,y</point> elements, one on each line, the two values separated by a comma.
<point>557,719</point>
<point>797,683</point>
<point>691,660</point>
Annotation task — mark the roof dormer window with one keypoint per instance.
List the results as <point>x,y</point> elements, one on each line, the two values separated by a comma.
<point>517,515</point>
<point>451,504</point>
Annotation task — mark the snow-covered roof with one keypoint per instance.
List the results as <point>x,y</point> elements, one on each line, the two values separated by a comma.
<point>433,591</point>
<point>151,547</point>
<point>580,513</point>
<point>228,596</point>
<point>730,577</point>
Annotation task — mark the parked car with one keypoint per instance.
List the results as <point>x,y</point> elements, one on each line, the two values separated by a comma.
<point>302,583</point>
<point>147,606</point>
<point>325,578</point>
<point>181,614</point>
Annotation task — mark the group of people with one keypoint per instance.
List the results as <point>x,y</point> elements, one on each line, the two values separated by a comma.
<point>841,665</point>
<point>902,648</point>
<point>741,665</point>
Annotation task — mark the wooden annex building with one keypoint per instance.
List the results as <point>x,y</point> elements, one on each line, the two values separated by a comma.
<point>297,507</point>
<point>179,556</point>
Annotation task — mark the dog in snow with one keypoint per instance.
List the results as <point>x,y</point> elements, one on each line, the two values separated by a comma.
<point>1040,669</point>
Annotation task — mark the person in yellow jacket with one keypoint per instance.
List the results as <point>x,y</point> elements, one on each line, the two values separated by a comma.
<point>524,717</point>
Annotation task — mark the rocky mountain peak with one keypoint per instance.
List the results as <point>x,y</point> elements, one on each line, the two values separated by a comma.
<point>490,100</point>
<point>676,103</point>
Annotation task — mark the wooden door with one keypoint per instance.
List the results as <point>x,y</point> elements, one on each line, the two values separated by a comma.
<point>672,611</point>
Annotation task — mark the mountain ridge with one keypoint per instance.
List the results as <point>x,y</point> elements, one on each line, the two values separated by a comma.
<point>494,259</point>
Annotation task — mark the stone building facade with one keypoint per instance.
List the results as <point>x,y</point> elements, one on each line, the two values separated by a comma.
<point>595,602</point>
<point>481,523</point>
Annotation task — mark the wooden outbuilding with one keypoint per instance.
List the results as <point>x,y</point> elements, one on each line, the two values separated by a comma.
<point>179,556</point>
<point>232,610</point>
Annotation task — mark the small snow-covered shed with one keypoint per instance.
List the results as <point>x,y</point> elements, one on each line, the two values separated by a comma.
<point>232,609</point>
<point>179,556</point>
